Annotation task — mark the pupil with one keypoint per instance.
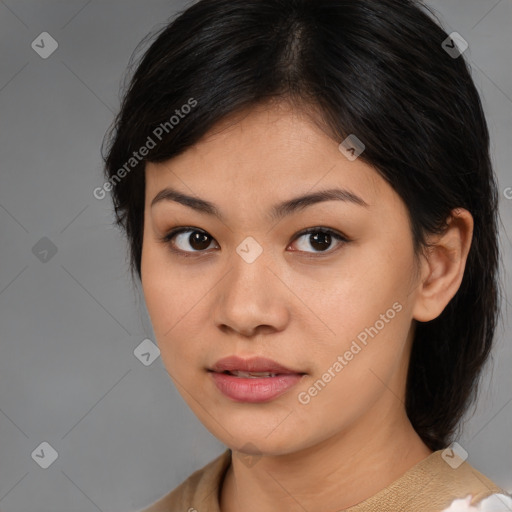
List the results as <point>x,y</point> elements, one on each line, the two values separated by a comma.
<point>320,241</point>
<point>199,241</point>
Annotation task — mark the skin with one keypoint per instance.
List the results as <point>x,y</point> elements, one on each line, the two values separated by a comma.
<point>296,304</point>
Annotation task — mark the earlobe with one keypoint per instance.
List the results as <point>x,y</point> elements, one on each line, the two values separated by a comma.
<point>443,265</point>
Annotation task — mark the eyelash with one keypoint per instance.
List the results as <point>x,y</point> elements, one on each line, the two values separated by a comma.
<point>168,237</point>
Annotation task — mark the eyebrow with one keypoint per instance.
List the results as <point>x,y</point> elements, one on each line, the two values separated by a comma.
<point>277,212</point>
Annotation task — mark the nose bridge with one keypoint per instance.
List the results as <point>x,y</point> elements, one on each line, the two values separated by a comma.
<point>249,292</point>
<point>250,264</point>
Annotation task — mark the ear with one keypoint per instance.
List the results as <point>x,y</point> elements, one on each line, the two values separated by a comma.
<point>442,268</point>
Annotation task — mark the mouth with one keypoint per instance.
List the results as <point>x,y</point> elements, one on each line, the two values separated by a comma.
<point>254,387</point>
<point>254,375</point>
<point>255,367</point>
<point>253,380</point>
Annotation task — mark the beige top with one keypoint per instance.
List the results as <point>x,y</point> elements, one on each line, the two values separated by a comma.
<point>429,486</point>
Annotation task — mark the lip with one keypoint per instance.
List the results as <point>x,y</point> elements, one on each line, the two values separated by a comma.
<point>257,389</point>
<point>253,364</point>
<point>253,390</point>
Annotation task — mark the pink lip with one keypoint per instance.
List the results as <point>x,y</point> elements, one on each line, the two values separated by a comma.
<point>254,390</point>
<point>253,364</point>
<point>259,389</point>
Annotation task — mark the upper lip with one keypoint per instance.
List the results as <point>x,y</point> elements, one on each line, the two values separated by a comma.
<point>253,364</point>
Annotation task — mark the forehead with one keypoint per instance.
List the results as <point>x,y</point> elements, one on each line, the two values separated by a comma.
<point>267,148</point>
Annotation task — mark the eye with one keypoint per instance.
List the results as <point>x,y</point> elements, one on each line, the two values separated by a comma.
<point>195,238</point>
<point>198,240</point>
<point>320,239</point>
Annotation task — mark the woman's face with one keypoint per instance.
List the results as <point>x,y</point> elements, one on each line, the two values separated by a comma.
<point>248,283</point>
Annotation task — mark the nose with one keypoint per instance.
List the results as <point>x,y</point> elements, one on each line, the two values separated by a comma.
<point>252,298</point>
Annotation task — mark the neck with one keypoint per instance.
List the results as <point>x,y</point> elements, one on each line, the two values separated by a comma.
<point>337,473</point>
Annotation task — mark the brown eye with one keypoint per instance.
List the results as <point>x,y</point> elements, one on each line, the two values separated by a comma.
<point>320,239</point>
<point>188,240</point>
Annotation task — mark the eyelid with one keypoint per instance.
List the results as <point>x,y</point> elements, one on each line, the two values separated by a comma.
<point>166,239</point>
<point>340,237</point>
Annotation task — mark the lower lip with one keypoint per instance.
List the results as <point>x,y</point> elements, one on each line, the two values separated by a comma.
<point>260,389</point>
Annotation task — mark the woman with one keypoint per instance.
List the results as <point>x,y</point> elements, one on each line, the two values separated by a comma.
<point>310,205</point>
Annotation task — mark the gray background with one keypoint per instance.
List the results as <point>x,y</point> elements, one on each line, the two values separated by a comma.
<point>70,321</point>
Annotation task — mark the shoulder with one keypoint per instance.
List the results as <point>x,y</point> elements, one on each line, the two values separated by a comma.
<point>431,486</point>
<point>459,477</point>
<point>450,480</point>
<point>199,491</point>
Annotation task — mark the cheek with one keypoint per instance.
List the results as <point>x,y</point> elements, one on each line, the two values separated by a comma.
<point>367,311</point>
<point>352,295</point>
<point>173,299</point>
<point>162,290</point>
<point>359,366</point>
